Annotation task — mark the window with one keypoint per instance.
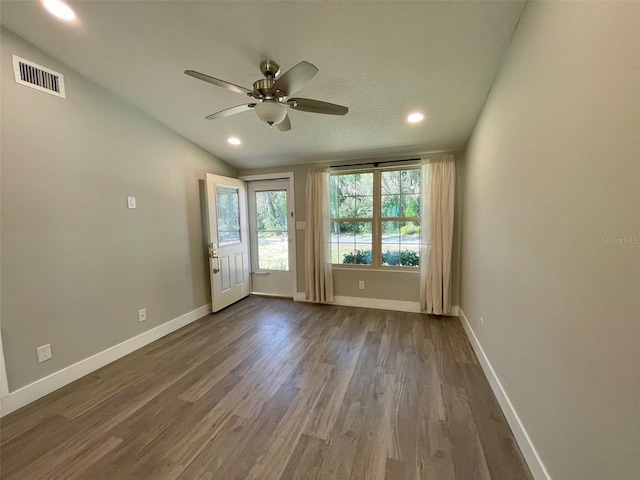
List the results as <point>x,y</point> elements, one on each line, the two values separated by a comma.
<point>272,230</point>
<point>375,218</point>
<point>352,218</point>
<point>228,215</point>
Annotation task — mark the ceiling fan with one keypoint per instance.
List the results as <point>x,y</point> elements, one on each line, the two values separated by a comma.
<point>272,94</point>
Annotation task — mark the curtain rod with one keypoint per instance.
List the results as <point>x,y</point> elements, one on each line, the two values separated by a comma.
<point>376,164</point>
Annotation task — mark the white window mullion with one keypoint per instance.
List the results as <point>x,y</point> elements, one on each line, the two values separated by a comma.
<point>377,225</point>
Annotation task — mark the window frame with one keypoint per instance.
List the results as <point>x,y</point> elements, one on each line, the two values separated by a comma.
<point>377,219</point>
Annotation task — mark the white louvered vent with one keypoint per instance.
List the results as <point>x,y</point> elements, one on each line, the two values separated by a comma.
<point>36,76</point>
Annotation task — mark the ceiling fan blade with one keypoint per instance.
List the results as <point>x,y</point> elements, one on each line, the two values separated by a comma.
<point>295,78</point>
<point>231,111</point>
<point>218,82</point>
<point>284,125</point>
<point>316,106</point>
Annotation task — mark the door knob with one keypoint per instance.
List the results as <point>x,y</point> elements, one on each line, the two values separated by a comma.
<point>213,255</point>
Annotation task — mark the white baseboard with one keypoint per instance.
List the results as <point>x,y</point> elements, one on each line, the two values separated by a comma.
<point>529,452</point>
<point>38,389</point>
<point>379,303</point>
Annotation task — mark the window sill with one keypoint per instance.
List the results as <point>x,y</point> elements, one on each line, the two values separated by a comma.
<point>362,268</point>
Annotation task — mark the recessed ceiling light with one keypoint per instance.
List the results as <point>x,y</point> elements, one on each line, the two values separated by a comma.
<point>234,141</point>
<point>415,118</point>
<point>59,9</point>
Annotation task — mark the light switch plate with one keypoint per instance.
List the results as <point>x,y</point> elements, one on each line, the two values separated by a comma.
<point>301,225</point>
<point>131,202</point>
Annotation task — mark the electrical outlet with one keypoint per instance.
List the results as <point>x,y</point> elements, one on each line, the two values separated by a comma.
<point>131,202</point>
<point>44,353</point>
<point>481,325</point>
<point>142,315</point>
<point>361,284</point>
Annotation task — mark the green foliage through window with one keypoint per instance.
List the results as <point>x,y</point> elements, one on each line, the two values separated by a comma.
<point>358,257</point>
<point>410,229</point>
<point>273,235</point>
<point>404,258</point>
<point>352,195</point>
<point>271,209</point>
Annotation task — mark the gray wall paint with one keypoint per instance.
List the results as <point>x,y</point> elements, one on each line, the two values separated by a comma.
<point>552,171</point>
<point>386,285</point>
<point>76,263</point>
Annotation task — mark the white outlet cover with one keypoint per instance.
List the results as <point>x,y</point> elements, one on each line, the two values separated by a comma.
<point>142,315</point>
<point>131,202</point>
<point>44,353</point>
<point>301,225</point>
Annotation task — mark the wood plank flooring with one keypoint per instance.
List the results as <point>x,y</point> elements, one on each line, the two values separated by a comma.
<point>271,389</point>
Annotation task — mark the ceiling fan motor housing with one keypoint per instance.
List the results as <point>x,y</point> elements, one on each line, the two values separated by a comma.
<point>265,88</point>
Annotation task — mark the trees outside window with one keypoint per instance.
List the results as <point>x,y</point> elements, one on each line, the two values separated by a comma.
<point>375,218</point>
<point>272,229</point>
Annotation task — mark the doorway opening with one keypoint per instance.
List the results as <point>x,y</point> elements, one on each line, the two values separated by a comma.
<point>272,236</point>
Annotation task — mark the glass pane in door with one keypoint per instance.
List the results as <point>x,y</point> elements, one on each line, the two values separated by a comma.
<point>228,215</point>
<point>273,232</point>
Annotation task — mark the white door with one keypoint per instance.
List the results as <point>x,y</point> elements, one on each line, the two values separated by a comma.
<point>228,240</point>
<point>271,227</point>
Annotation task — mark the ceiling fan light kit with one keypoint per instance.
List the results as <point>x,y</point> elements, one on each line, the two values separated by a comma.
<point>273,94</point>
<point>271,111</point>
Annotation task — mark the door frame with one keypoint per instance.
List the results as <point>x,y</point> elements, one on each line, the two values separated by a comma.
<point>4,381</point>
<point>282,176</point>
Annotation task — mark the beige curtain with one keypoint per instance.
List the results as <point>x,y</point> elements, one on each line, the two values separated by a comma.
<point>438,193</point>
<point>319,274</point>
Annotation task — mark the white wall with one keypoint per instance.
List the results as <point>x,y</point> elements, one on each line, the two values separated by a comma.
<point>76,263</point>
<point>551,226</point>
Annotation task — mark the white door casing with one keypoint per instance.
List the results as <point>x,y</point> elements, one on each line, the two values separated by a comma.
<point>228,237</point>
<point>4,384</point>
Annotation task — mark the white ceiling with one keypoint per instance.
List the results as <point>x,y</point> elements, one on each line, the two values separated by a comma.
<point>383,60</point>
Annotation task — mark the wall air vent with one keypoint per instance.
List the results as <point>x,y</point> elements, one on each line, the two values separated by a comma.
<point>36,76</point>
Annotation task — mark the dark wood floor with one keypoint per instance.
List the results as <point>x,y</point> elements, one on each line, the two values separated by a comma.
<point>274,389</point>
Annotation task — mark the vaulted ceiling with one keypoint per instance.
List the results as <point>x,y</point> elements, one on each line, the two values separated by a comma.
<point>383,60</point>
